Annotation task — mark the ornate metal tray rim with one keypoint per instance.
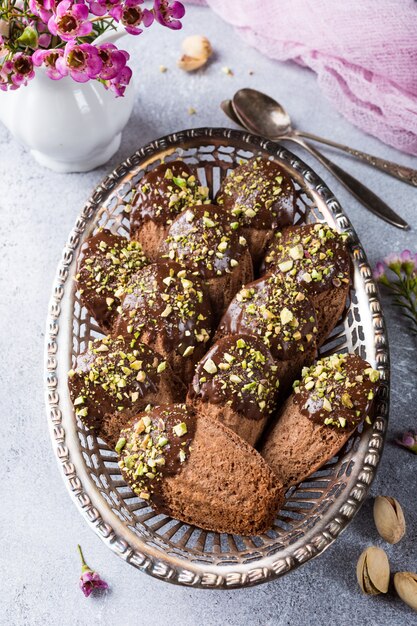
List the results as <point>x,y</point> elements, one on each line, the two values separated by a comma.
<point>79,483</point>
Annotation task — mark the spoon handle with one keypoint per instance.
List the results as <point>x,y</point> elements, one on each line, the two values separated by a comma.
<point>406,174</point>
<point>367,197</point>
<point>362,193</point>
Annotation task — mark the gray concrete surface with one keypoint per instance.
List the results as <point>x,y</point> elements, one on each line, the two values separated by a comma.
<point>39,525</point>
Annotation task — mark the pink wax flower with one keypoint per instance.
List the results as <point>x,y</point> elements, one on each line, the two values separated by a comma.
<point>408,440</point>
<point>408,262</point>
<point>118,85</point>
<point>89,580</point>
<point>101,7</point>
<point>81,61</point>
<point>131,15</point>
<point>4,75</point>
<point>22,69</point>
<point>48,59</point>
<point>169,14</point>
<point>394,262</point>
<point>379,270</point>
<point>113,59</point>
<point>16,72</point>
<point>70,21</point>
<point>43,8</point>
<point>61,36</point>
<point>44,36</point>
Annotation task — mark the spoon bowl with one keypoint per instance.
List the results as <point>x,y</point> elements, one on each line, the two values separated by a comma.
<point>272,120</point>
<point>227,108</point>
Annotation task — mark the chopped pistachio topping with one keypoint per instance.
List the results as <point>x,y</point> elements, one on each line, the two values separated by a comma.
<point>243,373</point>
<point>115,374</point>
<point>286,266</point>
<point>253,192</point>
<point>202,240</point>
<point>210,366</point>
<point>286,316</point>
<point>273,310</point>
<point>175,189</point>
<point>341,385</point>
<point>313,253</point>
<point>180,429</point>
<point>149,445</point>
<point>109,264</point>
<point>169,301</point>
<point>120,444</point>
<point>374,375</point>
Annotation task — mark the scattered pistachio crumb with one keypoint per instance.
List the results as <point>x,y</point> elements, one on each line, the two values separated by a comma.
<point>120,444</point>
<point>210,366</point>
<point>180,429</point>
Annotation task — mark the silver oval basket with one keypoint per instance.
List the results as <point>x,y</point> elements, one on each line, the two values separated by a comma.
<point>317,510</point>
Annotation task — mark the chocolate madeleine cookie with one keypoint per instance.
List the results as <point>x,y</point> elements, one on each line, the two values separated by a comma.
<point>316,258</point>
<point>198,471</point>
<point>162,194</point>
<point>168,308</point>
<point>105,265</point>
<point>203,240</point>
<point>260,196</point>
<point>333,397</point>
<point>237,383</point>
<point>114,379</point>
<point>282,316</point>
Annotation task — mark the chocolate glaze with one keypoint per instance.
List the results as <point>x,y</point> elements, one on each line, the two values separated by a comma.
<point>337,391</point>
<point>202,239</point>
<point>165,192</point>
<point>279,313</point>
<point>105,265</point>
<point>241,373</point>
<point>165,300</point>
<point>105,379</point>
<point>259,194</point>
<point>167,459</point>
<point>314,255</point>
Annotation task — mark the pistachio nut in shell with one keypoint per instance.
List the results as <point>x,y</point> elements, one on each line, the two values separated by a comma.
<point>389,518</point>
<point>405,584</point>
<point>372,571</point>
<point>196,51</point>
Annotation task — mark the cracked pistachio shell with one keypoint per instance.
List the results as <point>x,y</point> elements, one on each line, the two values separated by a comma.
<point>372,571</point>
<point>405,584</point>
<point>389,518</point>
<point>196,51</point>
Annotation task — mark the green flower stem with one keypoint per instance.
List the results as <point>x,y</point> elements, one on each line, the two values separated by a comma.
<point>400,279</point>
<point>403,291</point>
<point>85,567</point>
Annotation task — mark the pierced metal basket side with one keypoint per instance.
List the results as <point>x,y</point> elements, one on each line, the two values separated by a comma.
<point>316,511</point>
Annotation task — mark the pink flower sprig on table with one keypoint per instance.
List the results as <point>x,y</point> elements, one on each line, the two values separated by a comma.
<point>408,440</point>
<point>60,35</point>
<point>398,274</point>
<point>89,579</point>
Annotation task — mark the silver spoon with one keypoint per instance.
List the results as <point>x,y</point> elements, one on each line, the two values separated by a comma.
<point>367,197</point>
<point>278,122</point>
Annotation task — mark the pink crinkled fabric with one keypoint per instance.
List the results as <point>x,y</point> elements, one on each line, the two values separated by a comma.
<point>364,53</point>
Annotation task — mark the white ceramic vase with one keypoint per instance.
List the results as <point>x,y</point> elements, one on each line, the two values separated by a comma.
<point>68,126</point>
